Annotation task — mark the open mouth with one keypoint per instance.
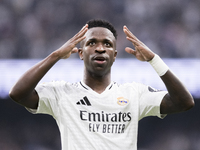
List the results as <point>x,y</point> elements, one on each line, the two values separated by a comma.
<point>99,59</point>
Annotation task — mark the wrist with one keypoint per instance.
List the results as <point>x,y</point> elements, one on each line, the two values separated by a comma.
<point>55,55</point>
<point>159,66</point>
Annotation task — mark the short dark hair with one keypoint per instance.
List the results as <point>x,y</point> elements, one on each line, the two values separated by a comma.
<point>102,23</point>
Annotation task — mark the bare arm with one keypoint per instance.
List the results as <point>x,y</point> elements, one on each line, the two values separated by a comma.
<point>23,92</point>
<point>178,98</point>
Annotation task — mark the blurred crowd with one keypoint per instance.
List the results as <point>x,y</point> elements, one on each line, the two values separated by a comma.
<point>32,29</point>
<point>35,28</point>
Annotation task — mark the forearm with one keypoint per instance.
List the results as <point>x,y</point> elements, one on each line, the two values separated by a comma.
<point>177,91</point>
<point>178,98</point>
<point>23,91</point>
<point>25,86</point>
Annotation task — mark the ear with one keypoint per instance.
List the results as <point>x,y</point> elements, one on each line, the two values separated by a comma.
<point>80,52</point>
<point>115,54</point>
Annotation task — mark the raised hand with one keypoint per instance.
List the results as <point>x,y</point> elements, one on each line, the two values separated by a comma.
<point>141,52</point>
<point>23,91</point>
<point>70,46</point>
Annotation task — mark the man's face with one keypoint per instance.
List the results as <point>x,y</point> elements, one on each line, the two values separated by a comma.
<point>98,50</point>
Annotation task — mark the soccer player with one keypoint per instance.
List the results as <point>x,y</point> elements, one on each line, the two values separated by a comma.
<point>97,113</point>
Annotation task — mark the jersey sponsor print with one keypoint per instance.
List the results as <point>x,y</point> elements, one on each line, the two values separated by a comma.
<point>105,122</point>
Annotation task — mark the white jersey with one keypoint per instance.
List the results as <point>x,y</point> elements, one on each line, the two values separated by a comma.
<point>91,121</point>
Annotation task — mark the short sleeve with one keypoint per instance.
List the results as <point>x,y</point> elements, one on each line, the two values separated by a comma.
<point>149,102</point>
<point>47,99</point>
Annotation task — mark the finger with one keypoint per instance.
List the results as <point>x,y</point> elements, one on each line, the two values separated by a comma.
<point>133,41</point>
<point>74,50</point>
<point>130,34</point>
<point>79,39</point>
<point>82,31</point>
<point>126,30</point>
<point>80,35</point>
<point>130,50</point>
<point>83,28</point>
<point>132,38</point>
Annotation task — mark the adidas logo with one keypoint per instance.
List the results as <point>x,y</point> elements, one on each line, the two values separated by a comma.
<point>84,101</point>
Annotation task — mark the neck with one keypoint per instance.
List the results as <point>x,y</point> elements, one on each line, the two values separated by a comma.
<point>97,83</point>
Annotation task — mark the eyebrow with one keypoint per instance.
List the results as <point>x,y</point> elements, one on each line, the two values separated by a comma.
<point>92,39</point>
<point>95,39</point>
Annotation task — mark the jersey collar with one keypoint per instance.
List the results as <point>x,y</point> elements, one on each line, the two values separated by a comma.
<point>88,88</point>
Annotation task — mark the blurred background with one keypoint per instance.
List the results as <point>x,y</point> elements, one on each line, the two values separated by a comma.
<point>31,29</point>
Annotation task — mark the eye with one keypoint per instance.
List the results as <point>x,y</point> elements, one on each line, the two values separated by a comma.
<point>92,43</point>
<point>107,44</point>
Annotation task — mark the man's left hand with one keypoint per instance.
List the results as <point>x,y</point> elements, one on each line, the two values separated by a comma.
<point>141,52</point>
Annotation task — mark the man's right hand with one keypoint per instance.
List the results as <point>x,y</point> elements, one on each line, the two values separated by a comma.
<point>23,92</point>
<point>70,46</point>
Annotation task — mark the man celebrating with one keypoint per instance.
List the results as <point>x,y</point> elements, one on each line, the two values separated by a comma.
<point>97,113</point>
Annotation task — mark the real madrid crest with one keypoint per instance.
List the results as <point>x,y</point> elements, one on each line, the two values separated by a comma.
<point>122,101</point>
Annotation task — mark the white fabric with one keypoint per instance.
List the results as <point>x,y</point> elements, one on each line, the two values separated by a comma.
<point>159,66</point>
<point>110,121</point>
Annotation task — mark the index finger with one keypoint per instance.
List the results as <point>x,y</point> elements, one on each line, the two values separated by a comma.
<point>80,35</point>
<point>129,33</point>
<point>131,37</point>
<point>82,31</point>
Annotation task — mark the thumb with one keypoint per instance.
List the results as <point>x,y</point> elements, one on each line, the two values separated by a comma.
<point>130,50</point>
<point>74,50</point>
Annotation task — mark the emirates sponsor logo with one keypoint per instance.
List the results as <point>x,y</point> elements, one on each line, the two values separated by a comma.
<point>104,121</point>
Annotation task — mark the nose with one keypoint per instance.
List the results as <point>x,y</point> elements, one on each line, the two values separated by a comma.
<point>100,49</point>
